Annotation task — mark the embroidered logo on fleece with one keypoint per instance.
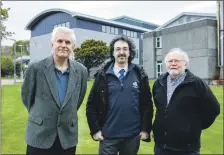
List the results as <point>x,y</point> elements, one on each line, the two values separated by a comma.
<point>135,85</point>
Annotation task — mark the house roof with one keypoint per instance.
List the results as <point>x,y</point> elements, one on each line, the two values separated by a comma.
<point>135,20</point>
<point>185,14</point>
<point>83,16</point>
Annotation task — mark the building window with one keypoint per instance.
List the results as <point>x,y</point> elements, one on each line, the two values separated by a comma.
<point>124,32</point>
<point>104,28</point>
<point>135,34</point>
<point>108,29</point>
<point>159,42</point>
<point>116,30</point>
<point>132,34</point>
<point>128,33</point>
<point>68,24</point>
<point>63,25</point>
<point>112,30</point>
<point>158,68</point>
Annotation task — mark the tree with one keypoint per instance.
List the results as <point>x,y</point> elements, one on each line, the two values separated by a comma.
<point>6,66</point>
<point>92,53</point>
<point>4,17</point>
<point>25,45</point>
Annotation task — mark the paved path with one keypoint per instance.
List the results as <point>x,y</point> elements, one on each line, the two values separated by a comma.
<point>10,82</point>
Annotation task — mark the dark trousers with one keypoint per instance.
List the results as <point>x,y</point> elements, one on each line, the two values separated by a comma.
<point>56,149</point>
<point>125,146</point>
<point>161,151</point>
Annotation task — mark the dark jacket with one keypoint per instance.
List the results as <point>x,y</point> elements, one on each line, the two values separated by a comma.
<point>97,104</point>
<point>192,108</point>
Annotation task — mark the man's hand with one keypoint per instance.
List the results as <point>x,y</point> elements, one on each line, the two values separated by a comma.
<point>98,136</point>
<point>143,135</point>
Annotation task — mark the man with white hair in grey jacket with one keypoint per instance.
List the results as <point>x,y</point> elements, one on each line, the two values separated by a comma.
<point>52,92</point>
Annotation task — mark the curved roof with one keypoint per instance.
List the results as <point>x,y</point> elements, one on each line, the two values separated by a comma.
<point>39,16</point>
<point>80,15</point>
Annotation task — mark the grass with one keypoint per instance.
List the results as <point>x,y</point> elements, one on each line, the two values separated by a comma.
<point>9,78</point>
<point>14,118</point>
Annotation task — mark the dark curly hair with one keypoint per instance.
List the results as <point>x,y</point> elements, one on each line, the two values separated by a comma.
<point>131,47</point>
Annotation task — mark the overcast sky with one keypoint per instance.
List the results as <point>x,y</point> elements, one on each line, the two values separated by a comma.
<point>158,12</point>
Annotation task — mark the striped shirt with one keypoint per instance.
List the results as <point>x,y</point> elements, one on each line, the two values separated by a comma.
<point>172,84</point>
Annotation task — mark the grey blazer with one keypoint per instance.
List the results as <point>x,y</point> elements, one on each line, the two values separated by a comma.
<point>47,117</point>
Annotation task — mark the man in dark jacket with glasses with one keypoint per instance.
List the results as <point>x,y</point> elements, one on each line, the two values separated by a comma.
<point>185,106</point>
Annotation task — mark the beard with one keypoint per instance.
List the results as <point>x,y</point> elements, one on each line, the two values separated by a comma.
<point>173,72</point>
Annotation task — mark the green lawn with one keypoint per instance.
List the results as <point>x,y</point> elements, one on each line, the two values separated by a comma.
<point>14,117</point>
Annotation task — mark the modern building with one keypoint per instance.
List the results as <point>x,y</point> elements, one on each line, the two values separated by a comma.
<point>85,27</point>
<point>196,33</point>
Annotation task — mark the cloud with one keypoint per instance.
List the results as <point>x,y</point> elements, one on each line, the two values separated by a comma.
<point>157,12</point>
<point>205,6</point>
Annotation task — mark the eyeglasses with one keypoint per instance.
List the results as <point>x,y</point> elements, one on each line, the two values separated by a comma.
<point>119,49</point>
<point>175,61</point>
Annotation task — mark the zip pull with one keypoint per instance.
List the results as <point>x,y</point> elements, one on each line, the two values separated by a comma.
<point>122,86</point>
<point>166,108</point>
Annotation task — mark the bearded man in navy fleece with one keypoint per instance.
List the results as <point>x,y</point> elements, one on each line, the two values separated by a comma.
<point>119,108</point>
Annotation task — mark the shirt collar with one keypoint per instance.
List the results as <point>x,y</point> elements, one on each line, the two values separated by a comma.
<point>179,78</point>
<point>117,68</point>
<point>65,71</point>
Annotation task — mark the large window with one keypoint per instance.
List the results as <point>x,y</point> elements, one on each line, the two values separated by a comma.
<point>66,24</point>
<point>116,30</point>
<point>112,30</point>
<point>135,34</point>
<point>125,32</point>
<point>109,29</point>
<point>104,28</point>
<point>130,33</point>
<point>159,42</point>
<point>159,68</point>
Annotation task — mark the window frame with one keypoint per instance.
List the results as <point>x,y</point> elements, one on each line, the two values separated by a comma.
<point>158,41</point>
<point>159,65</point>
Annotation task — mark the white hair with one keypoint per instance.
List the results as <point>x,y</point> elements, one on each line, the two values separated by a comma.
<point>178,50</point>
<point>63,30</point>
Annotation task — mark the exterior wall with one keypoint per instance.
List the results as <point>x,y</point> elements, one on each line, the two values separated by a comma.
<point>198,39</point>
<point>41,46</point>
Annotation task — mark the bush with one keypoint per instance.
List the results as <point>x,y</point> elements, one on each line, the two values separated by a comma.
<point>6,66</point>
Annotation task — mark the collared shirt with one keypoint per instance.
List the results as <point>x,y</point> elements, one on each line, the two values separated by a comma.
<point>172,84</point>
<point>62,83</point>
<point>117,69</point>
